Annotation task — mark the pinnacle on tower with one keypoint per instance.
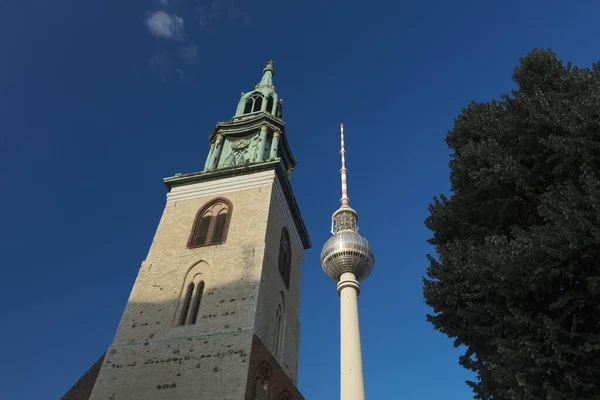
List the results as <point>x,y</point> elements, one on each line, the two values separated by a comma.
<point>263,99</point>
<point>268,74</point>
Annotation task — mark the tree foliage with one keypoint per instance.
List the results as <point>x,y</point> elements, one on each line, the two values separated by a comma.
<point>517,281</point>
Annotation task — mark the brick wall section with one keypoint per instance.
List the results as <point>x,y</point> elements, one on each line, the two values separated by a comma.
<point>83,388</point>
<point>279,381</point>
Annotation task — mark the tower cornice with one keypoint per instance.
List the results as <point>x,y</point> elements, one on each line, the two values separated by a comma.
<point>277,166</point>
<point>241,127</point>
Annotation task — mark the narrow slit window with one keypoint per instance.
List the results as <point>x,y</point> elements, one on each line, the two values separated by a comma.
<point>277,339</point>
<point>270,105</point>
<point>285,257</point>
<point>197,301</point>
<point>186,303</point>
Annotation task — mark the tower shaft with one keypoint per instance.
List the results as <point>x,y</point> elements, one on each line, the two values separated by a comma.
<point>348,259</point>
<point>352,385</point>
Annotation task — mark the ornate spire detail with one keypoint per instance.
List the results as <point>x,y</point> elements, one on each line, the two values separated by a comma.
<point>262,99</point>
<point>267,79</point>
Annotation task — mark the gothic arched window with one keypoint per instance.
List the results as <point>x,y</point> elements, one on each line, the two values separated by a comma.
<point>257,103</point>
<point>196,305</point>
<point>248,106</point>
<point>270,105</point>
<point>191,296</point>
<point>186,303</point>
<point>261,388</point>
<point>211,224</point>
<point>285,257</point>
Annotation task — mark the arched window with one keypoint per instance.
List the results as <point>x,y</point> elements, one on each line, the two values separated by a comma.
<point>191,296</point>
<point>211,224</point>
<point>197,300</point>
<point>285,257</point>
<point>257,103</point>
<point>254,103</point>
<point>248,106</point>
<point>186,303</point>
<point>270,105</point>
<point>261,388</point>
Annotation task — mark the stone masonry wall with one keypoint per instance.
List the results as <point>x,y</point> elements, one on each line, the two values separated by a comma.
<point>150,358</point>
<point>271,288</point>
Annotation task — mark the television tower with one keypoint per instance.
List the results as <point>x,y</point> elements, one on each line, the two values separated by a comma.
<point>348,259</point>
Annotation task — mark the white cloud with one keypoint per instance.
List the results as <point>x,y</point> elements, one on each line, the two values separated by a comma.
<point>162,24</point>
<point>176,56</point>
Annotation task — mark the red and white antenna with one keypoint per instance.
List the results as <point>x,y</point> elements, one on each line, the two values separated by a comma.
<point>344,199</point>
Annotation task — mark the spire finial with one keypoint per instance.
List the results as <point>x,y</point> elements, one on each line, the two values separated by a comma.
<point>268,74</point>
<point>344,199</point>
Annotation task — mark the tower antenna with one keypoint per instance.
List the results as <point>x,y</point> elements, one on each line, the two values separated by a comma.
<point>347,258</point>
<point>344,199</point>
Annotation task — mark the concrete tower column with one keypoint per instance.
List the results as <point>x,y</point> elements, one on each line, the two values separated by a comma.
<point>347,258</point>
<point>352,385</point>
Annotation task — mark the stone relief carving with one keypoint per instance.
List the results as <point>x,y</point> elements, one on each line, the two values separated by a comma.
<point>242,150</point>
<point>239,144</point>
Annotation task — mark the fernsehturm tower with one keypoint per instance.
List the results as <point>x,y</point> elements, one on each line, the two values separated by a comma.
<point>348,259</point>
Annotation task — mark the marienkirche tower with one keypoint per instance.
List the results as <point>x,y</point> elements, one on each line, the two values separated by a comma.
<point>213,313</point>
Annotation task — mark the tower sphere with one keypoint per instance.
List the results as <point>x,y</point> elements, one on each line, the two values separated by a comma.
<point>347,251</point>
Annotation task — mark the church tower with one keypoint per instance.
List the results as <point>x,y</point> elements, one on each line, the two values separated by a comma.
<point>213,313</point>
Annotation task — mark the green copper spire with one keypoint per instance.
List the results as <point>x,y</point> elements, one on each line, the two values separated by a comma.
<point>255,136</point>
<point>267,79</point>
<point>262,99</point>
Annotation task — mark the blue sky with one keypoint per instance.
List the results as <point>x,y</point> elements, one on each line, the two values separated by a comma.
<point>101,100</point>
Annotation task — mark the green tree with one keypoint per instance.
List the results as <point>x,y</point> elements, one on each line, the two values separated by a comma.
<point>517,279</point>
